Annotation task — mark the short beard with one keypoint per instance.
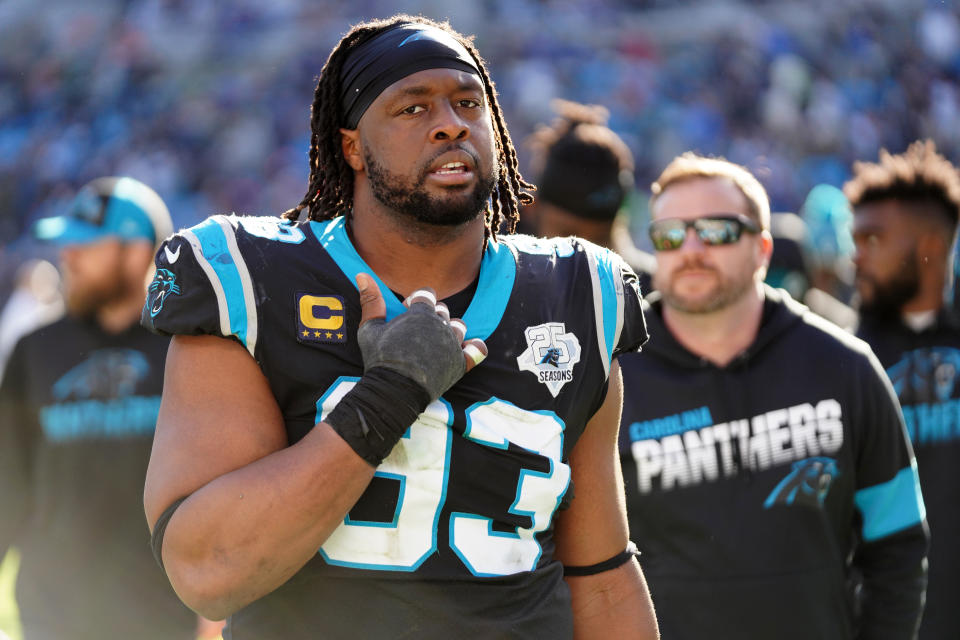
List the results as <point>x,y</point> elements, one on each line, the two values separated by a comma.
<point>86,302</point>
<point>413,202</point>
<point>889,297</point>
<point>727,291</point>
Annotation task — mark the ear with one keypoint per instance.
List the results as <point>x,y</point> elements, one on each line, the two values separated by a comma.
<point>765,246</point>
<point>352,148</point>
<point>932,248</point>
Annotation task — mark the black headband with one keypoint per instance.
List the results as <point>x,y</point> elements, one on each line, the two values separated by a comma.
<point>394,54</point>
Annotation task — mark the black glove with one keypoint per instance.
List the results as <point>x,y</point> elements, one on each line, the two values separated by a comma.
<point>407,363</point>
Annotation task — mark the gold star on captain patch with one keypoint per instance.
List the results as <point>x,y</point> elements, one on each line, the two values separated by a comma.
<point>317,334</point>
<point>340,336</point>
<point>329,335</point>
<point>305,333</point>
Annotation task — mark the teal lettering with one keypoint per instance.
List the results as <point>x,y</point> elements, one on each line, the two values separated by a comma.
<point>929,424</point>
<point>118,418</point>
<point>910,419</point>
<point>671,425</point>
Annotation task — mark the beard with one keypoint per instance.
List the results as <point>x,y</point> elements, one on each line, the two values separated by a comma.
<point>887,298</point>
<point>411,200</point>
<point>726,291</point>
<point>84,300</point>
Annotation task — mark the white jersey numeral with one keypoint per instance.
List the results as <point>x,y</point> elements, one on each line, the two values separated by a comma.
<point>420,463</point>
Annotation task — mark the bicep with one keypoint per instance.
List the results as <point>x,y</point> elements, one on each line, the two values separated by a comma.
<point>594,528</point>
<point>218,414</point>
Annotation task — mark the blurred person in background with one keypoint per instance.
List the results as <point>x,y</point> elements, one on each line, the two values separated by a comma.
<point>765,460</point>
<point>791,269</point>
<point>584,176</point>
<point>36,301</point>
<point>828,245</point>
<point>78,407</point>
<point>905,210</point>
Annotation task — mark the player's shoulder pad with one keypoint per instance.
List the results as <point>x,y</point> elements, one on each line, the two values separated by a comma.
<point>616,293</point>
<point>203,283</point>
<point>617,299</point>
<point>559,247</point>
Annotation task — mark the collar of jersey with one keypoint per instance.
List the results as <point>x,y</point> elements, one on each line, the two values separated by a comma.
<point>498,270</point>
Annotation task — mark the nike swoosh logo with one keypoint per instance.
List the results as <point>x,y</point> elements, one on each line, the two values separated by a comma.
<point>413,36</point>
<point>172,256</point>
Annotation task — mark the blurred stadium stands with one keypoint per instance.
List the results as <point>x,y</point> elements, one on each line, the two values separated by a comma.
<point>208,101</point>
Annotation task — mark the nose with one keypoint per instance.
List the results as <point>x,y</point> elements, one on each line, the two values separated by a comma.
<point>449,125</point>
<point>859,252</point>
<point>691,241</point>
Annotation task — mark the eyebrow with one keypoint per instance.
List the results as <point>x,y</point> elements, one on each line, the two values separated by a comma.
<point>422,89</point>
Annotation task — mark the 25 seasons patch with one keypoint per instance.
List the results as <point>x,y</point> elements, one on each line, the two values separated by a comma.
<point>320,318</point>
<point>551,354</point>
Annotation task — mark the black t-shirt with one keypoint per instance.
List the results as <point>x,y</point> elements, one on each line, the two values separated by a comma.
<point>78,409</point>
<point>924,367</point>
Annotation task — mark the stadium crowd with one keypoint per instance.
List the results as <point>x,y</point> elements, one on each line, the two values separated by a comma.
<point>201,99</point>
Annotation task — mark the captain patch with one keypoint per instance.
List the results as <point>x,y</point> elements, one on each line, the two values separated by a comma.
<point>320,318</point>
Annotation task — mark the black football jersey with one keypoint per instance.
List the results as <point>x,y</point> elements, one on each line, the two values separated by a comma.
<point>454,533</point>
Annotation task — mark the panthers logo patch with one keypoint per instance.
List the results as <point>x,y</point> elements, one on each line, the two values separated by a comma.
<point>164,284</point>
<point>807,483</point>
<point>926,375</point>
<point>107,373</point>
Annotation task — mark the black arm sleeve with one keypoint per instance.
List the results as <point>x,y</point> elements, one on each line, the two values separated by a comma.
<point>893,554</point>
<point>894,584</point>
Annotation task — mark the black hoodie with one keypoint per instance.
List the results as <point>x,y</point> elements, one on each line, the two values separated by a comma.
<point>775,497</point>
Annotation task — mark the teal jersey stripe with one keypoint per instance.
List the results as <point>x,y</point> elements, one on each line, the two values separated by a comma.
<point>497,274</point>
<point>607,270</point>
<point>213,244</point>
<point>891,506</point>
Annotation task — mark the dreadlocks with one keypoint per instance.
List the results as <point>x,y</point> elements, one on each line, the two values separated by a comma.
<point>330,188</point>
<point>919,175</point>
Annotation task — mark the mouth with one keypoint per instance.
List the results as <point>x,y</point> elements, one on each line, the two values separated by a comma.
<point>694,271</point>
<point>452,169</point>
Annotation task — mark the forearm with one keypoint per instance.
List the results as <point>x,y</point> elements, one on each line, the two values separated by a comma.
<point>613,604</point>
<point>247,532</point>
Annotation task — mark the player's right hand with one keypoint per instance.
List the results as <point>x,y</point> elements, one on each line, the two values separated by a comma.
<point>422,343</point>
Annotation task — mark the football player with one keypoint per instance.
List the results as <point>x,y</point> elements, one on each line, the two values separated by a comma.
<point>332,459</point>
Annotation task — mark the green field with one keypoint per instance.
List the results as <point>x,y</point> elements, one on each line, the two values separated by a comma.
<point>9,621</point>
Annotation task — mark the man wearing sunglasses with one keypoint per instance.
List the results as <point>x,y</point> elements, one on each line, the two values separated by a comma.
<point>770,484</point>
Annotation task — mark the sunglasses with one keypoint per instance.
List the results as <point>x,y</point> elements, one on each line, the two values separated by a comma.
<point>713,230</point>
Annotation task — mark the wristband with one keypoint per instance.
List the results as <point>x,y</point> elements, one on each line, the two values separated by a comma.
<point>377,411</point>
<point>621,558</point>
